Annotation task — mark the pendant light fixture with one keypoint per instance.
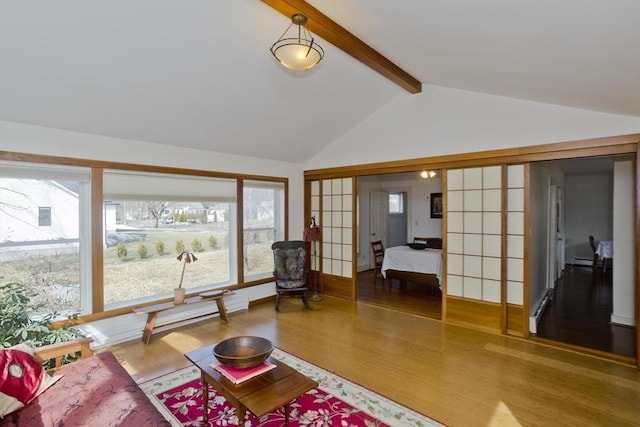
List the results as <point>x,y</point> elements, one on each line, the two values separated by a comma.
<point>297,51</point>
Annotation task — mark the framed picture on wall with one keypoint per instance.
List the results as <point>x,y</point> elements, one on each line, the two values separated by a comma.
<point>436,205</point>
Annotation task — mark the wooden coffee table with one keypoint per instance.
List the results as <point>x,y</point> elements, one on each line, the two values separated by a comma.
<point>260,395</point>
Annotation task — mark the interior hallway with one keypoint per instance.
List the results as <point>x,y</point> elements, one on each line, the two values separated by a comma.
<point>580,312</point>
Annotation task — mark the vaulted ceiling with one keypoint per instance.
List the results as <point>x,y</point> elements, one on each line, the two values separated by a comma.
<point>199,74</point>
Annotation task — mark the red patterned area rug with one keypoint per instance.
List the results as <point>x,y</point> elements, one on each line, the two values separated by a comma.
<point>335,402</point>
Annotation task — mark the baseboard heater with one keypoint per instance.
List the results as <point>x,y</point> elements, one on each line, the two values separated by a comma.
<point>582,261</point>
<point>537,315</point>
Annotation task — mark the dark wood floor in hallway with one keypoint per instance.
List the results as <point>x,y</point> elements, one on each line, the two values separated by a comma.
<point>580,314</point>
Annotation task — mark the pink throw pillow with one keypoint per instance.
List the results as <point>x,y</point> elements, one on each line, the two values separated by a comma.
<point>22,378</point>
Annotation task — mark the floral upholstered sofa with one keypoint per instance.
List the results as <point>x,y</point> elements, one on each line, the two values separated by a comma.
<point>94,391</point>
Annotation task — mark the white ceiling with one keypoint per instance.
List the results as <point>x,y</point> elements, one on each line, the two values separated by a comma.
<point>198,73</point>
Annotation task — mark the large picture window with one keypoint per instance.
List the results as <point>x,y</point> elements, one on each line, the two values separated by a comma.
<point>150,219</point>
<point>51,235</point>
<point>41,222</point>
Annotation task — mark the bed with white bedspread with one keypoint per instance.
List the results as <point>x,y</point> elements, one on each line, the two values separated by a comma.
<point>402,260</point>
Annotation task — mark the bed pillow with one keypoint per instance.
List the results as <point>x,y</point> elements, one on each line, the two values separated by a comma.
<point>22,378</point>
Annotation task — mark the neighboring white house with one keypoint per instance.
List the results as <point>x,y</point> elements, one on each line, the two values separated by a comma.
<point>33,210</point>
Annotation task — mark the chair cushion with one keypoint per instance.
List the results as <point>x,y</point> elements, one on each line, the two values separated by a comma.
<point>289,266</point>
<point>290,284</point>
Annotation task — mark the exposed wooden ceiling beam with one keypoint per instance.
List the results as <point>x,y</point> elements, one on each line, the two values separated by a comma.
<point>324,27</point>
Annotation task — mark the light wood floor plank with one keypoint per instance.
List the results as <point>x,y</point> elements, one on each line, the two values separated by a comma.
<point>458,376</point>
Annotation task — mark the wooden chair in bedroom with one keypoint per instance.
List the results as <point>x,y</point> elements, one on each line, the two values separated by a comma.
<point>378,256</point>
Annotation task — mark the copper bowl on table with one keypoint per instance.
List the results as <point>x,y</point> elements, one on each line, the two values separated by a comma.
<point>243,352</point>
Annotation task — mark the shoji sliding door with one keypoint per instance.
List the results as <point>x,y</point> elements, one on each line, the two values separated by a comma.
<point>485,246</point>
<point>333,205</point>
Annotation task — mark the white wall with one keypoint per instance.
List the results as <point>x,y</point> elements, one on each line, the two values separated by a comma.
<point>538,232</point>
<point>588,212</point>
<point>441,121</point>
<point>624,256</point>
<point>364,249</point>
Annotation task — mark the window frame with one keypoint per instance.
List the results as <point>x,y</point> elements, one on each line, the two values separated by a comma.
<point>401,203</point>
<point>92,283</point>
<point>279,219</point>
<point>27,168</point>
<point>42,218</point>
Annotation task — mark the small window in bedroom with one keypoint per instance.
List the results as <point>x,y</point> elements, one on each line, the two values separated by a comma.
<point>396,203</point>
<point>44,216</point>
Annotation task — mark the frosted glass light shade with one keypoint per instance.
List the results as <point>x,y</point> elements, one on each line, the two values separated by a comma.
<point>297,54</point>
<point>298,51</point>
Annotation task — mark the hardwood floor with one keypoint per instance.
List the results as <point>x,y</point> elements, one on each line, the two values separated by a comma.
<point>413,298</point>
<point>580,314</point>
<point>458,376</point>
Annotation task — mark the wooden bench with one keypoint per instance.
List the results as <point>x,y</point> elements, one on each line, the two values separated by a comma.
<point>152,310</point>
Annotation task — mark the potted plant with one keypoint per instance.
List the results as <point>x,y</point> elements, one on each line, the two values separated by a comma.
<point>186,258</point>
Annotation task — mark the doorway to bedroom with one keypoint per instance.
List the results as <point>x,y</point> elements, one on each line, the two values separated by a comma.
<point>394,208</point>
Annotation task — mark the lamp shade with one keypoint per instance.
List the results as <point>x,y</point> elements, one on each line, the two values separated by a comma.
<point>428,174</point>
<point>311,234</point>
<point>297,54</point>
<point>298,50</point>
